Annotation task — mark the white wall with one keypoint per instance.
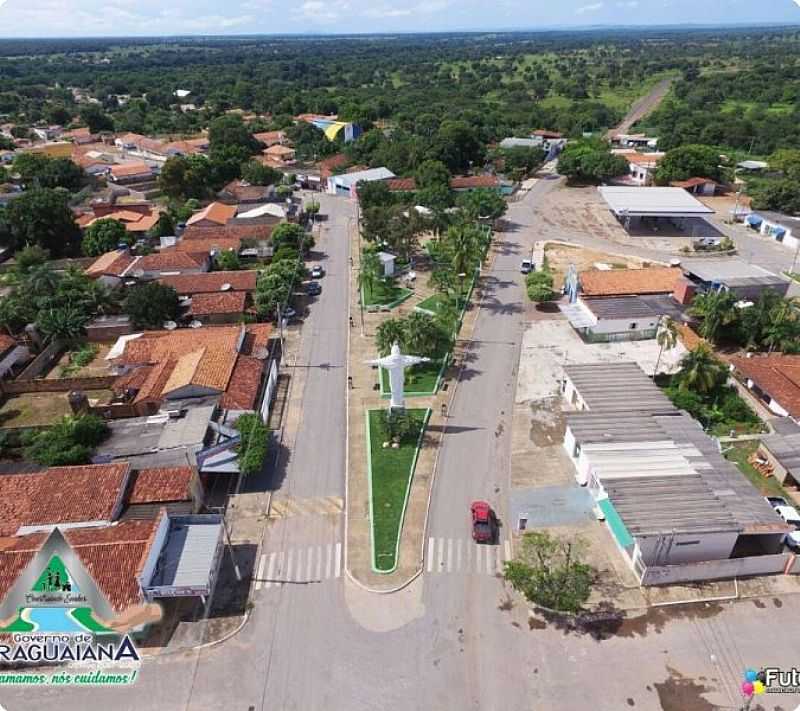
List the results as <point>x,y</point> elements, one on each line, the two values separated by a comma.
<point>572,396</point>
<point>623,325</point>
<point>674,549</point>
<point>155,551</point>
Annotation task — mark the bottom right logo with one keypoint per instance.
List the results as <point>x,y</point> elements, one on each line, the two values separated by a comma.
<point>771,680</point>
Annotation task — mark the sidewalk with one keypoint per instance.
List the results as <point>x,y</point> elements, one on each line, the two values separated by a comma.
<point>365,396</point>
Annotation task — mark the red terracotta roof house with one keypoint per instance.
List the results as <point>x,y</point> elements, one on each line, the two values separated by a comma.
<point>470,182</point>
<point>205,246</point>
<point>116,263</point>
<point>253,230</point>
<point>161,485</point>
<point>327,166</point>
<point>114,556</point>
<point>170,261</point>
<point>244,385</point>
<point>212,282</point>
<point>629,282</point>
<point>270,138</point>
<point>131,172</point>
<point>775,378</point>
<point>62,495</point>
<point>225,302</point>
<point>216,213</point>
<point>191,362</point>
<point>401,185</point>
<point>284,152</point>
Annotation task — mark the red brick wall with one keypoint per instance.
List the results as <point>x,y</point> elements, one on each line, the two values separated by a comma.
<point>59,385</point>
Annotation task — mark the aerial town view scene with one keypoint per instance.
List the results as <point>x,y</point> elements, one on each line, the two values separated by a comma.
<point>400,357</point>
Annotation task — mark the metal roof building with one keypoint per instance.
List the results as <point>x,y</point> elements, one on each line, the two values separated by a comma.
<point>668,495</point>
<point>626,201</point>
<point>732,273</point>
<point>609,387</point>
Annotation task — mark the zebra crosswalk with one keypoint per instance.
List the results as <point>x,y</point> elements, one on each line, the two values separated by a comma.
<point>457,555</point>
<point>319,506</point>
<point>304,564</point>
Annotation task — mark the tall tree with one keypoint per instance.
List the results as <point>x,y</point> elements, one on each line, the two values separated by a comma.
<point>104,235</point>
<point>151,304</point>
<point>700,371</point>
<point>42,216</point>
<point>667,338</point>
<point>717,309</point>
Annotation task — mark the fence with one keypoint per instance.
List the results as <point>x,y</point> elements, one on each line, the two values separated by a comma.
<point>623,336</point>
<point>42,362</point>
<point>721,569</point>
<point>58,385</point>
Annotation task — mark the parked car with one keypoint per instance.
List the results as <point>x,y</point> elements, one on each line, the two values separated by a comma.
<point>526,267</point>
<point>792,540</point>
<point>789,514</point>
<point>313,288</point>
<point>317,272</point>
<point>484,522</point>
<point>776,501</point>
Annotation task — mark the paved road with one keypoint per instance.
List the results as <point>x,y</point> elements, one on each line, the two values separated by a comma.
<point>450,640</point>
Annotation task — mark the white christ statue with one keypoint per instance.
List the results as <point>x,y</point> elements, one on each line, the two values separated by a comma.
<point>396,363</point>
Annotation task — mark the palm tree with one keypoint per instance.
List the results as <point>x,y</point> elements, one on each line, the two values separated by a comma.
<point>370,271</point>
<point>782,332</point>
<point>700,370</point>
<point>64,324</point>
<point>448,312</point>
<point>423,335</point>
<point>463,243</point>
<point>718,311</point>
<point>667,337</point>
<point>388,333</point>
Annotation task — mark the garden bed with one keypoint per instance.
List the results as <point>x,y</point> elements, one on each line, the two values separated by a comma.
<point>420,380</point>
<point>720,411</point>
<point>384,293</point>
<point>390,473</point>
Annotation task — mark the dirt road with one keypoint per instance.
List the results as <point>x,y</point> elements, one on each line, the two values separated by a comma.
<point>642,107</point>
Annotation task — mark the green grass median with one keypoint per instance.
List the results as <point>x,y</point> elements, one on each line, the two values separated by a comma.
<point>390,474</point>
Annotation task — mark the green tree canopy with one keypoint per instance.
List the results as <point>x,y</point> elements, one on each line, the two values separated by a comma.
<point>45,172</point>
<point>549,572</point>
<point>690,161</point>
<point>590,161</point>
<point>104,235</point>
<point>432,174</point>
<point>151,304</point>
<point>184,177</point>
<point>69,442</point>
<point>42,216</point>
<point>486,204</point>
<point>94,117</point>
<point>256,173</point>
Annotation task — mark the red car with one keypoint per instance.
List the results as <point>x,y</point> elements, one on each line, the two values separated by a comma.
<point>484,522</point>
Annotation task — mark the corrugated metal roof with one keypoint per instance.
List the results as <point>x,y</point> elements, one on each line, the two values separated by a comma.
<point>786,449</point>
<point>620,387</point>
<point>731,272</point>
<point>188,554</point>
<point>619,307</point>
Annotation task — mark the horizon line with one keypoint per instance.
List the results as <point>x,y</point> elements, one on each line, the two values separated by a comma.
<point>474,31</point>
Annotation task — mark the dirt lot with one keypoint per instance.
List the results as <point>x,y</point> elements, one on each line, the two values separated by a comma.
<point>559,257</point>
<point>36,409</point>
<point>98,366</point>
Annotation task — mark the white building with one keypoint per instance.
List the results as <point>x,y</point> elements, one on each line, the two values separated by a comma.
<point>784,229</point>
<point>620,318</point>
<point>346,183</point>
<point>675,507</point>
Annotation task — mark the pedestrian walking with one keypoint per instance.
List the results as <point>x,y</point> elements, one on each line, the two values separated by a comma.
<point>350,381</point>
<point>352,323</point>
<point>444,409</point>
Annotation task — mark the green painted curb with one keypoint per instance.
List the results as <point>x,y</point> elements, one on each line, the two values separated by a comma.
<point>405,500</point>
<point>418,393</point>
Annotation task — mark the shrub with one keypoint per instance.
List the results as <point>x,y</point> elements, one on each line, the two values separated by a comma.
<point>252,450</point>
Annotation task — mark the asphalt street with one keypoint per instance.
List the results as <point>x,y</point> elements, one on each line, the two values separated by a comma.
<point>453,639</point>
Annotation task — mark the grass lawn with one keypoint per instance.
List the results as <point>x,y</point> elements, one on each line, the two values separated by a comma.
<point>391,471</point>
<point>384,293</point>
<point>738,454</point>
<point>433,303</point>
<point>420,379</point>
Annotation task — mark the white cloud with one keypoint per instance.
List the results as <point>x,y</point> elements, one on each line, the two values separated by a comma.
<point>594,7</point>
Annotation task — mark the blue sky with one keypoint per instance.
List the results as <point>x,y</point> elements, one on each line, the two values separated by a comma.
<point>53,18</point>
